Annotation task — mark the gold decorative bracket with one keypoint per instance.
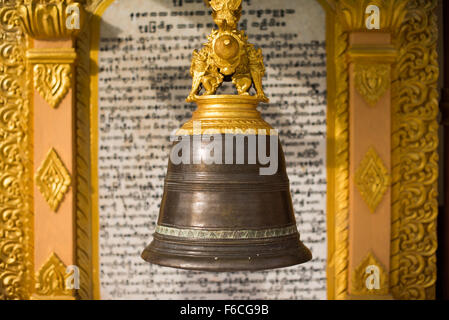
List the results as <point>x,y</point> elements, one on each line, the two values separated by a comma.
<point>51,281</point>
<point>372,81</point>
<point>372,70</point>
<point>372,179</point>
<point>53,180</point>
<point>52,72</point>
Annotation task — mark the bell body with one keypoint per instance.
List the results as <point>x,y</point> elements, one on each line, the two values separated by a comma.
<point>227,217</point>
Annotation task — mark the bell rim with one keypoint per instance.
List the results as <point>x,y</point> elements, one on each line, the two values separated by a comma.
<point>227,255</point>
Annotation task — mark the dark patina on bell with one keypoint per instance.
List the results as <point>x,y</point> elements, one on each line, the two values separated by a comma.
<point>235,213</point>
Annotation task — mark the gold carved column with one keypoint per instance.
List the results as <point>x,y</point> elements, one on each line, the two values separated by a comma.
<point>388,223</point>
<point>370,56</point>
<point>51,63</point>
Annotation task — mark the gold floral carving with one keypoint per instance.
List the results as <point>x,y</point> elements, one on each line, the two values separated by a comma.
<point>366,269</point>
<point>52,81</point>
<point>53,180</point>
<point>46,19</point>
<point>51,278</point>
<point>52,72</point>
<point>372,179</point>
<point>16,233</point>
<point>415,154</point>
<point>372,81</point>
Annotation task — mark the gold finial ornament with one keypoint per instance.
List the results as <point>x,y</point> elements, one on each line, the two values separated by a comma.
<point>227,56</point>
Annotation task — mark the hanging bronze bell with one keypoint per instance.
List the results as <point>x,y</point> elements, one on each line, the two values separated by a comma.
<point>226,215</point>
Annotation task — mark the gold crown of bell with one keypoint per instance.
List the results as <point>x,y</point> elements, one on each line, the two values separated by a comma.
<point>226,217</point>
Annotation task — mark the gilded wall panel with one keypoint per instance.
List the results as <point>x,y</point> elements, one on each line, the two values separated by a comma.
<point>415,157</point>
<point>16,260</point>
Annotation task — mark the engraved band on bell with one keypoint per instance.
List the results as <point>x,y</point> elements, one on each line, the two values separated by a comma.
<point>226,234</point>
